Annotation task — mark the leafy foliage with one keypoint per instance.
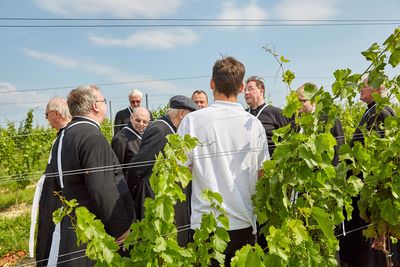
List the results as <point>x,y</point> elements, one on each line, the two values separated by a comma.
<point>23,151</point>
<point>302,196</point>
<point>158,113</point>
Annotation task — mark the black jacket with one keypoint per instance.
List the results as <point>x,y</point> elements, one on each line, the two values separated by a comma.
<point>96,184</point>
<point>121,119</point>
<point>126,145</point>
<point>271,118</point>
<point>372,120</point>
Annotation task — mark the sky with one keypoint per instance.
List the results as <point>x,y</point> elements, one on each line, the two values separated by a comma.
<point>161,61</point>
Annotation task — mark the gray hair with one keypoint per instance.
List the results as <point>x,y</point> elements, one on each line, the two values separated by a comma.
<point>81,99</point>
<point>59,104</point>
<point>172,112</point>
<point>135,92</point>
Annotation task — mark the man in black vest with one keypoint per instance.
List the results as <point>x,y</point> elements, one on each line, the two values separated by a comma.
<point>122,116</point>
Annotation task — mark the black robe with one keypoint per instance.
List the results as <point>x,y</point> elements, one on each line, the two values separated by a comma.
<point>355,249</point>
<point>153,142</point>
<point>371,120</point>
<point>271,118</point>
<point>126,145</point>
<point>103,191</point>
<point>121,119</point>
<point>45,226</point>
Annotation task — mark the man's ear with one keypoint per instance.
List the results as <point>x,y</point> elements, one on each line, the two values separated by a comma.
<point>95,107</point>
<point>241,88</point>
<point>212,84</point>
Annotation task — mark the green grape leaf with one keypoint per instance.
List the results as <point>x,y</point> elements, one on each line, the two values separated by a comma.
<point>324,221</point>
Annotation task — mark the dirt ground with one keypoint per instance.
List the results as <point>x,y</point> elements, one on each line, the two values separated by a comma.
<point>16,258</point>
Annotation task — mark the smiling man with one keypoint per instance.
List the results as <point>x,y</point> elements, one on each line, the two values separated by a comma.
<point>126,142</point>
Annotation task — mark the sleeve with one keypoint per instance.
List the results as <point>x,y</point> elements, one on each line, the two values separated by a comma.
<point>107,192</point>
<point>153,142</point>
<point>273,119</point>
<point>264,151</point>
<point>117,122</point>
<point>337,132</point>
<point>118,144</point>
<point>183,130</point>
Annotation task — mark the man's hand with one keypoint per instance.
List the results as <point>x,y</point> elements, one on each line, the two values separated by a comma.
<point>122,238</point>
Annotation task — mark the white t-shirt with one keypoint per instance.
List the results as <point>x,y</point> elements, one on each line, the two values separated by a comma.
<point>232,148</point>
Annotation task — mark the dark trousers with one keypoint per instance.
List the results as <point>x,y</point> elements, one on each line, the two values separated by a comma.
<point>239,238</point>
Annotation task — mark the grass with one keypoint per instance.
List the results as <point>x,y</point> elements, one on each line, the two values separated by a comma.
<point>14,233</point>
<point>8,197</point>
<point>14,230</point>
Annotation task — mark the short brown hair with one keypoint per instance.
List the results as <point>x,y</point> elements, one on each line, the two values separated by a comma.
<point>228,74</point>
<point>200,92</point>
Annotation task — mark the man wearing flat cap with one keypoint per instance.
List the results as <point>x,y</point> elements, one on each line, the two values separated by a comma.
<point>153,142</point>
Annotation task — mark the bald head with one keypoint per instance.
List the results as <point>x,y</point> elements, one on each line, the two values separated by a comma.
<point>140,119</point>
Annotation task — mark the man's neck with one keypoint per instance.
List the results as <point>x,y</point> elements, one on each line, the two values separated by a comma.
<point>221,97</point>
<point>175,120</point>
<point>254,106</point>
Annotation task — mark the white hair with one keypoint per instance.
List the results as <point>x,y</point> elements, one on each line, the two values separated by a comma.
<point>135,92</point>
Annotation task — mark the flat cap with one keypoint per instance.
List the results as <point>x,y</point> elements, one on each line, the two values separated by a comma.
<point>182,102</point>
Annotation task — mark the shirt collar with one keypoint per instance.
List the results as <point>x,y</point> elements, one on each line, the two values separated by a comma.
<point>220,103</point>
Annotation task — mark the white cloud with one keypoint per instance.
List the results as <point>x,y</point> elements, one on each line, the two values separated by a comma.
<point>249,12</point>
<point>166,39</point>
<point>113,74</point>
<point>118,8</point>
<point>306,9</point>
<point>9,96</point>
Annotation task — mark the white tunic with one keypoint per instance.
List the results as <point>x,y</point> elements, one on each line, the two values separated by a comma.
<point>232,148</point>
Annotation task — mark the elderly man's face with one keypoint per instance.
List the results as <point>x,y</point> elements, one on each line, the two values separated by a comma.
<point>200,100</point>
<point>135,101</point>
<point>140,120</point>
<point>366,92</point>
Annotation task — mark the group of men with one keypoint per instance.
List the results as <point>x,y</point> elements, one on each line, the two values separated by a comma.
<point>113,181</point>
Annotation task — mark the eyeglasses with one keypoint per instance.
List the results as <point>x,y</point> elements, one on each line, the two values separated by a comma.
<point>104,100</point>
<point>303,100</point>
<point>135,101</point>
<point>47,113</point>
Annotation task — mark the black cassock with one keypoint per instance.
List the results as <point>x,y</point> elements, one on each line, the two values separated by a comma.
<point>153,142</point>
<point>95,184</point>
<point>122,119</point>
<point>271,118</point>
<point>126,145</point>
<point>47,204</point>
<point>355,250</point>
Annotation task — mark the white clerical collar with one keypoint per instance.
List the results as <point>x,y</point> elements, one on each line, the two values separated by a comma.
<point>87,118</point>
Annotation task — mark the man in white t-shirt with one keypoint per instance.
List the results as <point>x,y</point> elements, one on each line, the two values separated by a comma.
<point>229,158</point>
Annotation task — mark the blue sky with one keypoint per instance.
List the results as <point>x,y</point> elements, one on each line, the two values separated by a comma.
<point>165,61</point>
